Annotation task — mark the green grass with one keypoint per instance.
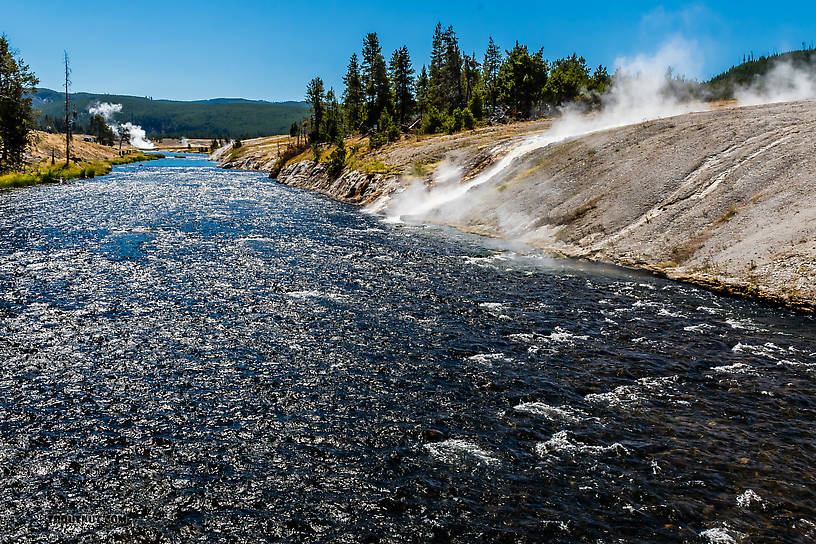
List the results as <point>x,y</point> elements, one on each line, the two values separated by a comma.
<point>51,173</point>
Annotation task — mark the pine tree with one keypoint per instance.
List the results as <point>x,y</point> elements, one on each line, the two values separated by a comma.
<point>436,84</point>
<point>402,80</point>
<point>422,91</point>
<point>444,74</point>
<point>332,119</point>
<point>376,87</point>
<point>17,118</point>
<point>470,76</point>
<point>452,70</point>
<point>353,96</point>
<point>521,80</point>
<point>315,98</point>
<point>492,63</point>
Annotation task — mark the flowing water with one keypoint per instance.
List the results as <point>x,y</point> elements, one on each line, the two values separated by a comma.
<point>190,354</point>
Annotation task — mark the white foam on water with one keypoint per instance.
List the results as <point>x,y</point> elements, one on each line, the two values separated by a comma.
<point>721,535</point>
<point>488,359</point>
<point>553,413</point>
<point>561,335</point>
<point>631,395</point>
<point>454,451</point>
<point>743,324</point>
<point>698,328</point>
<point>667,313</point>
<point>747,498</point>
<point>561,442</point>
<point>768,350</point>
<point>736,368</point>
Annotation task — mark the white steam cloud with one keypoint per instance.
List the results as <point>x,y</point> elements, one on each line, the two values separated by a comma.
<point>642,90</point>
<point>639,93</point>
<point>105,109</point>
<point>138,137</point>
<point>783,83</point>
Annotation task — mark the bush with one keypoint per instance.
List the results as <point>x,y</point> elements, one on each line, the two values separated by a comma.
<point>337,161</point>
<point>377,139</point>
<point>289,153</point>
<point>432,121</point>
<point>476,106</point>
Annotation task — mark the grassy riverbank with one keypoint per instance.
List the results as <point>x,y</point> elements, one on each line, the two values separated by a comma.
<point>51,173</point>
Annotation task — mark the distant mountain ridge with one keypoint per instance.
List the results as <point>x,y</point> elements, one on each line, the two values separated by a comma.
<point>212,118</point>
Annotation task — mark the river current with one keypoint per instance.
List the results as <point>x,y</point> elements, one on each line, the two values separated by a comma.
<point>191,354</point>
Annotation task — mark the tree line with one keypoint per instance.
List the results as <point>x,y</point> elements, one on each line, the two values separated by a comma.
<point>453,91</point>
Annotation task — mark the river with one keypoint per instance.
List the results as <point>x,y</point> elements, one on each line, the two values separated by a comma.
<point>193,354</point>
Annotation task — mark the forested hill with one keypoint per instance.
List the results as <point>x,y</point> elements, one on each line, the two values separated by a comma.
<point>215,118</point>
<point>722,86</point>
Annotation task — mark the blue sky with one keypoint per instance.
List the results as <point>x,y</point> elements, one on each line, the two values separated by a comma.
<point>269,50</point>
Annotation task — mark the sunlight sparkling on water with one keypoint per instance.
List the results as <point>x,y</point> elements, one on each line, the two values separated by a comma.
<point>197,354</point>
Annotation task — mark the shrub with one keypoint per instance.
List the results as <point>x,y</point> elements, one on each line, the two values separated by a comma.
<point>377,139</point>
<point>337,161</point>
<point>432,122</point>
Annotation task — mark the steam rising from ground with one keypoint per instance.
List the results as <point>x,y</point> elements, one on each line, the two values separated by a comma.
<point>105,109</point>
<point>784,83</point>
<point>137,135</point>
<point>638,94</point>
<point>641,91</point>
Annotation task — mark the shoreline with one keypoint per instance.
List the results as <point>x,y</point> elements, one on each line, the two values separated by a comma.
<point>55,173</point>
<point>721,199</point>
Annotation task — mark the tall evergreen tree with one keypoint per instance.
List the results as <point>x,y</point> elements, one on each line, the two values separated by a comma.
<point>402,80</point>
<point>422,91</point>
<point>567,79</point>
<point>315,98</point>
<point>522,78</point>
<point>452,70</point>
<point>490,67</point>
<point>375,80</point>
<point>353,96</point>
<point>445,71</point>
<point>98,128</point>
<point>17,118</point>
<point>332,130</point>
<point>435,92</point>
<point>470,76</point>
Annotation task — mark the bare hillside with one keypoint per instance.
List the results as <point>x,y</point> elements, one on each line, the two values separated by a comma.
<point>725,198</point>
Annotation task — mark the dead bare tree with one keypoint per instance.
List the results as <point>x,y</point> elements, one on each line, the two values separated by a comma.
<point>67,111</point>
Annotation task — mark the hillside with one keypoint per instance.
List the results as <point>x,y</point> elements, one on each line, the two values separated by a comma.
<point>723,198</point>
<point>215,118</point>
<point>723,86</point>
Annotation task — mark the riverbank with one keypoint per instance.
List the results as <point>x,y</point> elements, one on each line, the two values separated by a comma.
<point>54,173</point>
<point>723,199</point>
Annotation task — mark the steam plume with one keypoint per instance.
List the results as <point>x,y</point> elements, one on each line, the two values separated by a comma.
<point>107,110</point>
<point>639,93</point>
<point>783,83</point>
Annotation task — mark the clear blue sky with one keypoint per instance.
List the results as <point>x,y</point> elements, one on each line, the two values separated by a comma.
<point>269,50</point>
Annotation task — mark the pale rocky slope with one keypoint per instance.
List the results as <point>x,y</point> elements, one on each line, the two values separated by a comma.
<point>725,199</point>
